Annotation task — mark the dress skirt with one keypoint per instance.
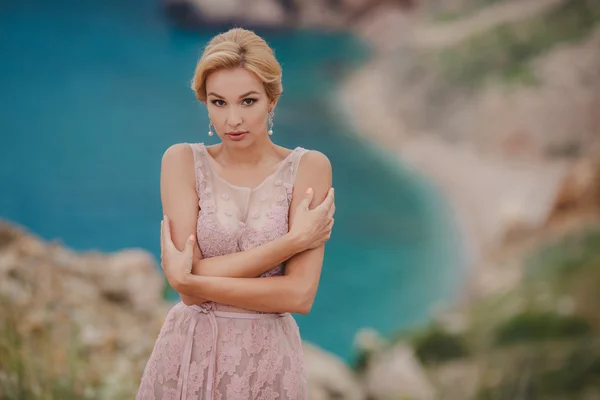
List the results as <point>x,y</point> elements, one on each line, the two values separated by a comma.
<point>206,353</point>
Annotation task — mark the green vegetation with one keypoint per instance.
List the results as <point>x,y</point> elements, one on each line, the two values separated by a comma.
<point>551,355</point>
<point>469,7</point>
<point>569,268</point>
<point>506,51</point>
<point>35,367</point>
<point>529,326</point>
<point>566,257</point>
<point>553,372</point>
<point>42,358</point>
<point>526,343</point>
<point>435,345</point>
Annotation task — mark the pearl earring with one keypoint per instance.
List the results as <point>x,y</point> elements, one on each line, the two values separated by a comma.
<point>271,115</point>
<point>210,126</point>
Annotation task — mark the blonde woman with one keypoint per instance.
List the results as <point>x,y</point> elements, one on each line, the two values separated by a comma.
<point>227,209</point>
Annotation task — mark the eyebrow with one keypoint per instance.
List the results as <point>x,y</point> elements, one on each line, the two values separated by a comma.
<point>244,95</point>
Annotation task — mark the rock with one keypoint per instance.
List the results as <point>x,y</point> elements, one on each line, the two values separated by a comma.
<point>281,14</point>
<point>208,13</point>
<point>565,305</point>
<point>369,340</point>
<point>328,377</point>
<point>107,308</point>
<point>384,21</point>
<point>130,278</point>
<point>458,379</point>
<point>581,185</point>
<point>67,308</point>
<point>265,13</point>
<point>502,155</point>
<point>453,321</point>
<point>395,374</point>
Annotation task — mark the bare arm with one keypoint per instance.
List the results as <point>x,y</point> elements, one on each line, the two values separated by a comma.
<point>296,290</point>
<point>179,200</point>
<point>180,204</point>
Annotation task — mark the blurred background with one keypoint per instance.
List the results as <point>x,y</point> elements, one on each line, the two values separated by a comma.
<point>464,139</point>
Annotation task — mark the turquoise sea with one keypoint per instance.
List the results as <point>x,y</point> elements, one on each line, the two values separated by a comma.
<point>93,92</point>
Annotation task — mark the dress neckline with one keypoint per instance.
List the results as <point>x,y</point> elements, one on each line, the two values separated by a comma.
<point>280,164</point>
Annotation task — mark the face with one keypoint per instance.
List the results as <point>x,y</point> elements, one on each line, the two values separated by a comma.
<point>237,106</point>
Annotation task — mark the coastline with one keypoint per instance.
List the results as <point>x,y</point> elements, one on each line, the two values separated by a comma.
<point>488,196</point>
<point>505,156</point>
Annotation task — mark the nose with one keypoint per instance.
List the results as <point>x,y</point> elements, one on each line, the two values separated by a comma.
<point>234,118</point>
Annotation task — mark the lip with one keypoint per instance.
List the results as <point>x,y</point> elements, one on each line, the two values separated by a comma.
<point>237,135</point>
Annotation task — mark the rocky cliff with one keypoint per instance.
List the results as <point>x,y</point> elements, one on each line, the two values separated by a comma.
<point>276,14</point>
<point>82,325</point>
<point>497,106</point>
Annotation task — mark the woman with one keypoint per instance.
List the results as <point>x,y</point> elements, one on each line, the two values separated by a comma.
<point>232,336</point>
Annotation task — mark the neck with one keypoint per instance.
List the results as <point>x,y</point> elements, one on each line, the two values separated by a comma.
<point>252,155</point>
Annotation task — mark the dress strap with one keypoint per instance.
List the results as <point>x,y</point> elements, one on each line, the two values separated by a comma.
<point>297,156</point>
<point>199,167</point>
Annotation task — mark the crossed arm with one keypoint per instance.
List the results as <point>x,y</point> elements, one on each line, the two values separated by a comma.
<point>230,279</point>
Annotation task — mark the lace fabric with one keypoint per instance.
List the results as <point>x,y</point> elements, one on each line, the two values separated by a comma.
<point>213,351</point>
<point>234,218</point>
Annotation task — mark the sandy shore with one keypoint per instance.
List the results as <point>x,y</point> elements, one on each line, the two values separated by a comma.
<point>493,155</point>
<point>489,196</point>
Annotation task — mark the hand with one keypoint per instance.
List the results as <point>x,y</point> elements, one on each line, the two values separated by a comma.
<point>313,227</point>
<point>176,264</point>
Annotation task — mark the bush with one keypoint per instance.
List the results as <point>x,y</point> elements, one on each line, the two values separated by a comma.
<point>436,345</point>
<point>34,367</point>
<point>531,326</point>
<point>507,50</point>
<point>580,369</point>
<point>553,372</point>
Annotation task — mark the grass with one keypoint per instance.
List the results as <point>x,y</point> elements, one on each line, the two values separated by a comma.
<point>533,326</point>
<point>432,344</point>
<point>469,7</point>
<point>571,268</point>
<point>555,371</point>
<point>566,256</point>
<point>506,52</point>
<point>38,366</point>
<point>435,345</point>
<point>551,356</point>
<point>522,345</point>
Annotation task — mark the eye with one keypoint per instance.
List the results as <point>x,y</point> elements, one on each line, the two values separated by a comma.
<point>248,101</point>
<point>216,102</point>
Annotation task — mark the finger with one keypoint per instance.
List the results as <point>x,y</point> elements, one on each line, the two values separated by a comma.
<point>331,211</point>
<point>188,250</point>
<point>163,242</point>
<point>162,255</point>
<point>308,196</point>
<point>328,227</point>
<point>326,204</point>
<point>167,232</point>
<point>162,239</point>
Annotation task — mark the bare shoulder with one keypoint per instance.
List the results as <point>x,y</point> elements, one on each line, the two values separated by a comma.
<point>314,171</point>
<point>178,156</point>
<point>177,167</point>
<point>314,162</point>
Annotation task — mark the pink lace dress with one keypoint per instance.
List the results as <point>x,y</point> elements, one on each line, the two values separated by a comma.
<point>214,351</point>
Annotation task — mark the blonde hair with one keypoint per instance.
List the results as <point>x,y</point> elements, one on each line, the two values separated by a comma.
<point>239,48</point>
